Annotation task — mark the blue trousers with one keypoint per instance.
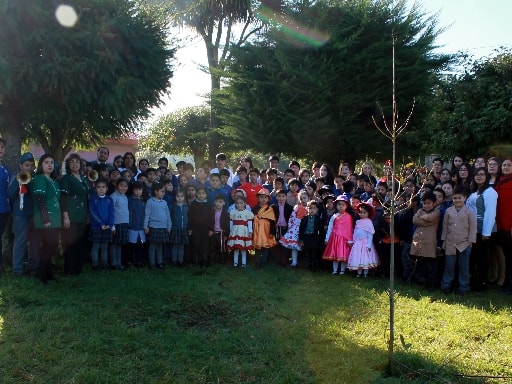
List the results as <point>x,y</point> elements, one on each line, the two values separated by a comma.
<point>462,258</point>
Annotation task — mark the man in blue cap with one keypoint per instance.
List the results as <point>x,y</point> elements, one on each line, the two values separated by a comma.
<point>19,192</point>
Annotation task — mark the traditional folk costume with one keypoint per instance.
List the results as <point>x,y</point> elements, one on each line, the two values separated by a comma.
<point>240,227</point>
<point>339,233</point>
<point>362,254</point>
<point>264,223</point>
<point>290,239</point>
<point>264,228</point>
<point>239,240</point>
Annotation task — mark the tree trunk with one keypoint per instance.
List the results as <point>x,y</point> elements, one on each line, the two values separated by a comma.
<point>213,63</point>
<point>13,133</point>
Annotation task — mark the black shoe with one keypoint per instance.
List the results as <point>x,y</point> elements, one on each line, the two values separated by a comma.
<point>461,293</point>
<point>160,266</point>
<point>447,291</point>
<point>507,290</point>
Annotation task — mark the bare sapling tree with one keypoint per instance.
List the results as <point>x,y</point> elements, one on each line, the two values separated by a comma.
<point>392,132</point>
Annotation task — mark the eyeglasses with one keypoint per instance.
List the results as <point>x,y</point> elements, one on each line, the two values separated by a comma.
<point>480,174</point>
<point>463,170</point>
<point>74,162</point>
<point>492,164</point>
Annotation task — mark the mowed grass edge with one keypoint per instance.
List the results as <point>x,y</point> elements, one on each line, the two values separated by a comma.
<point>225,325</point>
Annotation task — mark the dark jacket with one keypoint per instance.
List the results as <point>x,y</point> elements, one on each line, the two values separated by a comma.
<point>288,209</point>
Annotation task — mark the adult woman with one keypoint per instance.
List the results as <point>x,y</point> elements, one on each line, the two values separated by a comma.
<point>482,202</point>
<point>497,265</point>
<point>47,214</point>
<point>367,169</point>
<point>344,170</point>
<point>504,219</point>
<point>457,161</point>
<point>4,201</point>
<point>464,175</point>
<point>75,198</point>
<point>129,162</point>
<point>494,169</point>
<point>479,162</point>
<point>327,172</point>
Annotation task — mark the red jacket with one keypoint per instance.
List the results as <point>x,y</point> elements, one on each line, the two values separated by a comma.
<point>504,207</point>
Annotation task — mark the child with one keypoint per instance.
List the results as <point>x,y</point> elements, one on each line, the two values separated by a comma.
<point>264,227</point>
<point>157,224</point>
<point>240,231</point>
<point>311,235</point>
<point>224,186</point>
<point>293,191</point>
<point>339,236</point>
<point>190,193</point>
<point>241,173</point>
<point>424,241</point>
<point>404,229</point>
<point>199,226</point>
<point>271,176</point>
<point>101,211</point>
<point>136,235</point>
<point>459,233</point>
<point>220,229</point>
<point>282,211</point>
<point>362,254</point>
<point>215,189</point>
<point>122,222</point>
<point>290,239</point>
<point>252,187</point>
<point>114,176</point>
<point>179,235</point>
<point>278,186</point>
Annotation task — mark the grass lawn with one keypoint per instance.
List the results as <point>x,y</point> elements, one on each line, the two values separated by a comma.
<point>225,325</point>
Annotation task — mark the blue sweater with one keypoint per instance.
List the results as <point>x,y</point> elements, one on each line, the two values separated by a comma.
<point>157,214</point>
<point>13,192</point>
<point>179,216</point>
<point>137,208</point>
<point>122,214</point>
<point>101,210</point>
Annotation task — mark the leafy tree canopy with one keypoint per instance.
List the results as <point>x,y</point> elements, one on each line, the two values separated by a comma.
<point>182,132</point>
<point>310,86</point>
<point>78,85</point>
<point>472,112</point>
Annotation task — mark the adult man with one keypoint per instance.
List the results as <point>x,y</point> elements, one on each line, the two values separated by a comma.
<point>221,160</point>
<point>101,158</point>
<point>437,167</point>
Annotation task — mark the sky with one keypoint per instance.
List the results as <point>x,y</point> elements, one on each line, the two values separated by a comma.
<point>476,26</point>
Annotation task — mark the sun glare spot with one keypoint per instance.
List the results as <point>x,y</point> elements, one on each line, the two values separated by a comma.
<point>66,15</point>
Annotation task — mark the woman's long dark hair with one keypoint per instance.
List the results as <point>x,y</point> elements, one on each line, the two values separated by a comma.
<point>39,170</point>
<point>480,189</point>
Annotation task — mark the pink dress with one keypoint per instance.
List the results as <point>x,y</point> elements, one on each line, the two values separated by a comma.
<point>338,233</point>
<point>360,257</point>
<point>291,237</point>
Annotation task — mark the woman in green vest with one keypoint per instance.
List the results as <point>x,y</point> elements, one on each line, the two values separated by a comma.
<point>47,214</point>
<point>75,199</point>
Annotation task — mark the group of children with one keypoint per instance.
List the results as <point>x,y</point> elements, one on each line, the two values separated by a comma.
<point>297,220</point>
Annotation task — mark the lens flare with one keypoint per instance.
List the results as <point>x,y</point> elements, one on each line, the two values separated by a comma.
<point>66,15</point>
<point>300,33</point>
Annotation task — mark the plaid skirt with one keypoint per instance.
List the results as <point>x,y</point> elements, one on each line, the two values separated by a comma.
<point>158,236</point>
<point>121,236</point>
<point>100,235</point>
<point>179,236</point>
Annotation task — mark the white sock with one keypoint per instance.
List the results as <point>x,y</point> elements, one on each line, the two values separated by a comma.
<point>235,256</point>
<point>244,257</point>
<point>335,266</point>
<point>295,253</point>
